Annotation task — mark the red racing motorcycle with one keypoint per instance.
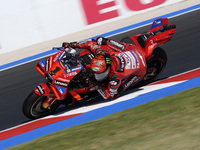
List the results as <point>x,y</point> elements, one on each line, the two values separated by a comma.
<point>70,80</point>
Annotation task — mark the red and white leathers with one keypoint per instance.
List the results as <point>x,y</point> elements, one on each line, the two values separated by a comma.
<point>128,64</point>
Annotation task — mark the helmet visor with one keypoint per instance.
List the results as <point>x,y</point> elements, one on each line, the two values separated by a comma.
<point>103,75</point>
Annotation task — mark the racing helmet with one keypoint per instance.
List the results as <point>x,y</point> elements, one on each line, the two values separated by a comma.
<point>100,66</point>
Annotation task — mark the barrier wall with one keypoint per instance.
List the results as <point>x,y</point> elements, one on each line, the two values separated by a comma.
<point>28,22</point>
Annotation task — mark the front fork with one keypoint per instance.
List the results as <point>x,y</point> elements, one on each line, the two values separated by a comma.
<point>45,89</point>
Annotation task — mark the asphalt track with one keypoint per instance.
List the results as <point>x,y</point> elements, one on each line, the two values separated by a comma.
<point>183,55</point>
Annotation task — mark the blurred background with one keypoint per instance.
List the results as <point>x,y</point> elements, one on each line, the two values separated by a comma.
<point>29,22</point>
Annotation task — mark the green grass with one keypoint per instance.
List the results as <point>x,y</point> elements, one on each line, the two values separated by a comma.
<point>171,123</point>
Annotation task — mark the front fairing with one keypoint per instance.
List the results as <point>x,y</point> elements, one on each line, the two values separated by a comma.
<point>59,69</point>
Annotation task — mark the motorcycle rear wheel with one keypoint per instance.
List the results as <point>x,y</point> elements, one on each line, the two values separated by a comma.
<point>32,107</point>
<point>155,65</point>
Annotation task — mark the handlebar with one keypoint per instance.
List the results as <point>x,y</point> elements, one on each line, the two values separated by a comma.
<point>57,48</point>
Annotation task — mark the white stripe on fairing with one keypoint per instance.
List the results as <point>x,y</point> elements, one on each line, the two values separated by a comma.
<point>132,59</point>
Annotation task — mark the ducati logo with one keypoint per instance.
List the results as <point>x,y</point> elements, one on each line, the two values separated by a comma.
<point>133,79</point>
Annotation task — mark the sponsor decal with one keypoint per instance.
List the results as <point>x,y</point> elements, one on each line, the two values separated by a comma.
<point>142,58</point>
<point>130,60</point>
<point>70,74</point>
<point>122,64</point>
<point>157,23</point>
<point>131,80</point>
<point>117,44</point>
<point>47,65</point>
<point>137,60</point>
<point>77,68</point>
<point>61,89</point>
<point>60,83</point>
<point>108,60</point>
<point>41,90</point>
<point>62,55</point>
<point>102,93</point>
<point>116,49</point>
<point>42,63</point>
<point>95,69</point>
<point>74,69</point>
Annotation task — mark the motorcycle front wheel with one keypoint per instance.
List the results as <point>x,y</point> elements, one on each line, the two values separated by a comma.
<point>33,106</point>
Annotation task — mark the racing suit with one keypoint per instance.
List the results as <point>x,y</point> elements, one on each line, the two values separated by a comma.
<point>128,64</point>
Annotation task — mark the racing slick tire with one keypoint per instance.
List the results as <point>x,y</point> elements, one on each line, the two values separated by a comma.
<point>155,65</point>
<point>32,107</point>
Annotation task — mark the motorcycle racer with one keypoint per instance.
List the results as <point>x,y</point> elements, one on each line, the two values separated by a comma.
<point>106,66</point>
<point>124,64</point>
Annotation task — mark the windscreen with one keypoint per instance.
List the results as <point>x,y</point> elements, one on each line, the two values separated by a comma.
<point>70,60</point>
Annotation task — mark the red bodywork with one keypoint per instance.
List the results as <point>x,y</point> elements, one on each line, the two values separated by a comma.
<point>59,76</point>
<point>158,39</point>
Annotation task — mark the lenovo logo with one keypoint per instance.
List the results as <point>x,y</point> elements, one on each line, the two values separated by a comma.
<point>60,83</point>
<point>117,44</point>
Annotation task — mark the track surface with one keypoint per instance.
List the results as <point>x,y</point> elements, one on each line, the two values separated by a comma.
<point>183,55</point>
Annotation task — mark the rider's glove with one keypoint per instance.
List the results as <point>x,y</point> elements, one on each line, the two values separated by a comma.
<point>71,44</point>
<point>101,40</point>
<point>103,92</point>
<point>74,44</point>
<point>65,44</point>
